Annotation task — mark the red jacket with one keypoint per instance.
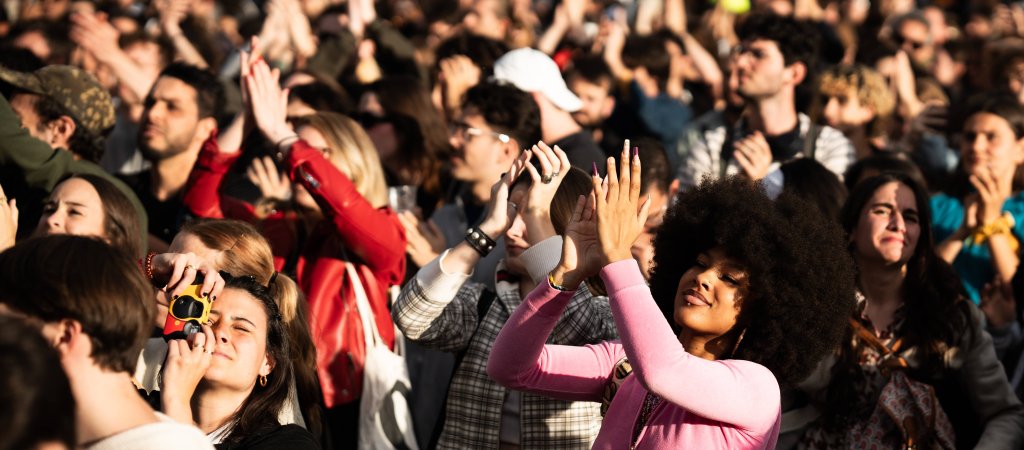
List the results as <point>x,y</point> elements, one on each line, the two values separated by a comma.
<point>372,239</point>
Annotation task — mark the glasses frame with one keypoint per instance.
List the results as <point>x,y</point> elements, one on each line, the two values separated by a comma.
<point>464,128</point>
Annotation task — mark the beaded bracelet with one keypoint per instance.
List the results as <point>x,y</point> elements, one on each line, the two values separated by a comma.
<point>480,241</point>
<point>149,265</point>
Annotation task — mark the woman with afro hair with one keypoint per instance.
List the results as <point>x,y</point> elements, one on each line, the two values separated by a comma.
<point>745,294</point>
<point>913,332</point>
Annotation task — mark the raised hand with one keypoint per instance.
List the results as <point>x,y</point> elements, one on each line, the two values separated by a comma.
<point>581,246</point>
<point>500,211</point>
<point>554,164</point>
<point>998,303</point>
<point>754,156</point>
<point>177,271</point>
<point>268,102</point>
<point>187,363</point>
<point>620,213</point>
<point>274,185</point>
<point>994,186</point>
<point>424,239</point>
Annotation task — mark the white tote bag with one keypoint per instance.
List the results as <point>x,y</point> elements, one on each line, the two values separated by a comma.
<point>385,421</point>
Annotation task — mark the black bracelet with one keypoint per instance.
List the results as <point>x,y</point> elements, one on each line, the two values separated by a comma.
<point>480,241</point>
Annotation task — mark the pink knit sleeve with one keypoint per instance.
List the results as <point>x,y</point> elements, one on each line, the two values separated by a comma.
<point>521,360</point>
<point>737,392</point>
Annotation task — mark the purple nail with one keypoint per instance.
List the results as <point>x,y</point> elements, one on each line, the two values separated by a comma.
<point>595,168</point>
<point>636,151</point>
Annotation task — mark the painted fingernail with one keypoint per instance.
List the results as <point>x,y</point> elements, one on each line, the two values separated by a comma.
<point>204,294</point>
<point>636,151</point>
<point>174,296</point>
<point>595,168</point>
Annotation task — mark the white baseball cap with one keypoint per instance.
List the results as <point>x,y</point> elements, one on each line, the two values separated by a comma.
<point>531,70</point>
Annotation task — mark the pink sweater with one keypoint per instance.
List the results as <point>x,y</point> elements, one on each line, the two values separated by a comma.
<point>728,404</point>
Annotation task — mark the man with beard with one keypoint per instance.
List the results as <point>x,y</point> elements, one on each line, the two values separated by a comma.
<point>775,56</point>
<point>180,114</point>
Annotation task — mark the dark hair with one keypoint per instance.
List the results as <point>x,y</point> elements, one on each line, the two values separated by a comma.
<point>423,139</point>
<point>322,97</point>
<point>999,104</point>
<point>801,288</point>
<point>798,40</point>
<point>260,409</point>
<point>648,52</point>
<point>164,45</point>
<point>83,142</point>
<point>55,33</point>
<point>38,404</point>
<point>507,110</point>
<point>121,225</point>
<point>931,290</point>
<point>210,95</point>
<point>881,163</point>
<point>811,181</point>
<point>936,314</point>
<point>82,278</point>
<point>592,69</point>
<point>483,51</point>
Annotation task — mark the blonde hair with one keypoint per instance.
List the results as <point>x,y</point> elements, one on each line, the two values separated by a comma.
<point>352,152</point>
<point>243,251</point>
<point>869,86</point>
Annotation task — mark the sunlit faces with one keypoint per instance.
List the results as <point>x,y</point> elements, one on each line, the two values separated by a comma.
<point>845,111</point>
<point>761,69</point>
<point>989,142</point>
<point>480,153</point>
<point>239,324</point>
<point>170,119</point>
<point>710,294</point>
<point>74,207</point>
<point>598,103</point>
<point>889,226</point>
<point>516,237</point>
<point>483,19</point>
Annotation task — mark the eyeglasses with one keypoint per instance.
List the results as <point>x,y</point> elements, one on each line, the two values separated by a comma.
<point>463,130</point>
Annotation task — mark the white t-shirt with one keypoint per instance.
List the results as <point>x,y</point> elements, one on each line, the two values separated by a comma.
<point>163,435</point>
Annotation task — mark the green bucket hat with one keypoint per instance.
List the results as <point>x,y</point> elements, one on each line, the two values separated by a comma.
<point>74,89</point>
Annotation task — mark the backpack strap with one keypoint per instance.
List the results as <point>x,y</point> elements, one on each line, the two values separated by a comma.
<point>869,338</point>
<point>811,140</point>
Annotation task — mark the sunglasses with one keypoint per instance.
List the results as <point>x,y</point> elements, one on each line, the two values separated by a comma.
<point>916,45</point>
<point>465,131</point>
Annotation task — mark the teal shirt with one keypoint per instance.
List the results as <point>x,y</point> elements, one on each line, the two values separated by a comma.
<point>974,262</point>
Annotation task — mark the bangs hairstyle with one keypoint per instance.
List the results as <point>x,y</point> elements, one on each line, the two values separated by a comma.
<point>121,226</point>
<point>801,282</point>
<point>352,152</point>
<point>260,409</point>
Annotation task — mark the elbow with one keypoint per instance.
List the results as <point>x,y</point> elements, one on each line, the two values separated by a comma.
<point>500,373</point>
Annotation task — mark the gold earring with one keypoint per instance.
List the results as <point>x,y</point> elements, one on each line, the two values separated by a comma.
<point>263,381</point>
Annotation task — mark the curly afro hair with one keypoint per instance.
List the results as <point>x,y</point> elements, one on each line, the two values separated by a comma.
<point>801,290</point>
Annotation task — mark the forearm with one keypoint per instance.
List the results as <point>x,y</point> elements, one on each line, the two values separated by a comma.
<point>516,356</point>
<point>128,73</point>
<point>951,247</point>
<point>186,51</point>
<point>437,309</point>
<point>1004,259</point>
<point>549,41</point>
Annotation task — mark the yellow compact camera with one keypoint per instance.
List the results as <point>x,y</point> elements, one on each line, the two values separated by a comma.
<point>187,313</point>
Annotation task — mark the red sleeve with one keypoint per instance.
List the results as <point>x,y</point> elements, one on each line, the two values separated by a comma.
<point>202,193</point>
<point>374,235</point>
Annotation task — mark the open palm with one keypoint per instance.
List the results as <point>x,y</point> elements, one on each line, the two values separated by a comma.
<point>582,256</point>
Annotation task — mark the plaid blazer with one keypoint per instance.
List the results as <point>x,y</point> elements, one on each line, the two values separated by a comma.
<point>474,404</point>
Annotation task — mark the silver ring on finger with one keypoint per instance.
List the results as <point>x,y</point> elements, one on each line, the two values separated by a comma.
<point>190,267</point>
<point>554,174</point>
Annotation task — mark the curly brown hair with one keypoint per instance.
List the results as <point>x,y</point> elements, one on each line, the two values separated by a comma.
<point>801,288</point>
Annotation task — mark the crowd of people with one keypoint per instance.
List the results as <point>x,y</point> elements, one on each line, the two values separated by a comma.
<point>511,224</point>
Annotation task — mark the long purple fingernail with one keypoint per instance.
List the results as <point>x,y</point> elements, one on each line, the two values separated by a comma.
<point>595,168</point>
<point>636,151</point>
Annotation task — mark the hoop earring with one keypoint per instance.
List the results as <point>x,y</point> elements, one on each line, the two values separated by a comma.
<point>263,381</point>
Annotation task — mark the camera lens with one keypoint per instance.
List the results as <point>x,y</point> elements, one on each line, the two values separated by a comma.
<point>187,307</point>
